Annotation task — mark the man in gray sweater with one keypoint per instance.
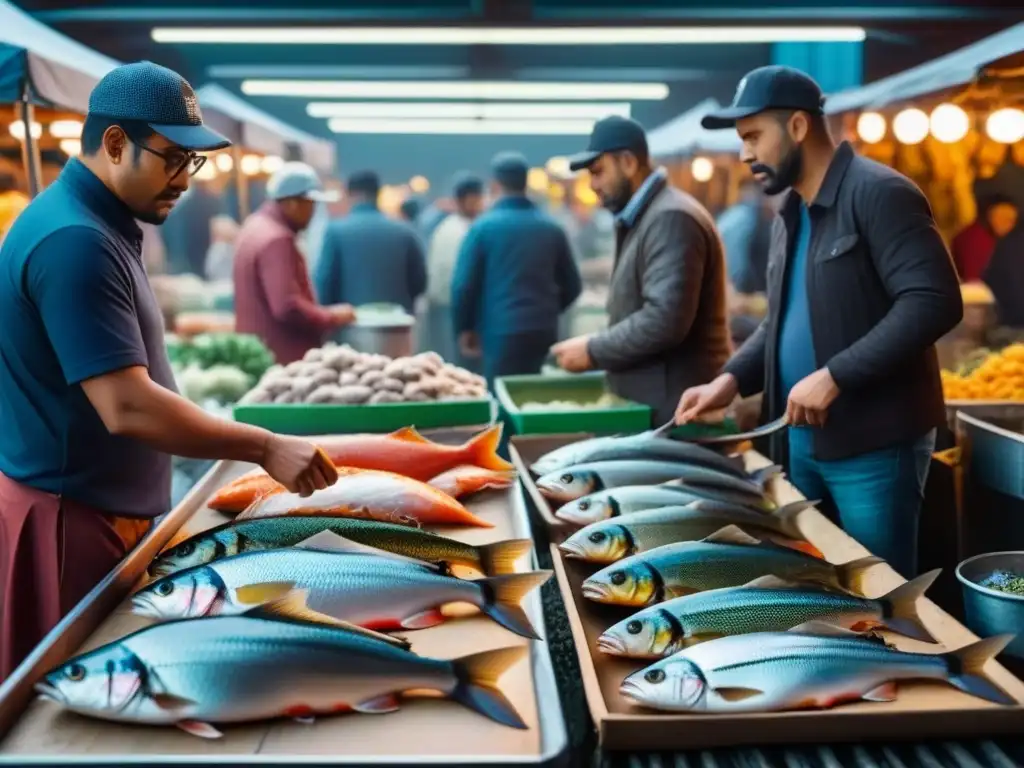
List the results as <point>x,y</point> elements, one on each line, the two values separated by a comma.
<point>668,328</point>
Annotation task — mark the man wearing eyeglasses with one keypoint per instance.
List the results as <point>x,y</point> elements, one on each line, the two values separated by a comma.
<point>88,407</point>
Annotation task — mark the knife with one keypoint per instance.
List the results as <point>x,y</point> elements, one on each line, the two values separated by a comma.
<point>763,431</point>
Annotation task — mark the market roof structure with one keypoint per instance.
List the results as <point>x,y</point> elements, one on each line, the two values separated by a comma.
<point>684,135</point>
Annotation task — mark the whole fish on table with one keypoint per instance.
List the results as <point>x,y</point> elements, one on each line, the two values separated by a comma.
<point>607,541</point>
<point>728,558</point>
<point>376,592</point>
<point>236,669</point>
<point>371,536</point>
<point>764,605</point>
<point>582,479</point>
<point>616,502</point>
<point>369,493</point>
<point>466,480</point>
<point>650,445</point>
<point>808,667</point>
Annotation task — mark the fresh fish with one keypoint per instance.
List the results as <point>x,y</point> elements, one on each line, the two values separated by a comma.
<point>764,605</point>
<point>234,669</point>
<point>367,590</point>
<point>650,445</point>
<point>583,479</point>
<point>728,558</point>
<point>404,452</point>
<point>466,480</point>
<point>811,666</point>
<point>607,541</point>
<point>636,498</point>
<point>369,536</point>
<point>369,493</point>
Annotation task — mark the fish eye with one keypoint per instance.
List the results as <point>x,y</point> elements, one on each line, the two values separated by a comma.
<point>75,672</point>
<point>618,578</point>
<point>634,627</point>
<point>567,478</point>
<point>583,506</point>
<point>164,588</point>
<point>597,537</point>
<point>186,549</point>
<point>654,676</point>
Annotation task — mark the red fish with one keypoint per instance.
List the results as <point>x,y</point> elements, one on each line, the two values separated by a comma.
<point>466,480</point>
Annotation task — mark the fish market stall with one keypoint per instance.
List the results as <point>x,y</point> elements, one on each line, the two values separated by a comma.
<point>426,728</point>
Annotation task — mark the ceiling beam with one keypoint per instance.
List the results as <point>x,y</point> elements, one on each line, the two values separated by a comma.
<point>134,14</point>
<point>780,13</point>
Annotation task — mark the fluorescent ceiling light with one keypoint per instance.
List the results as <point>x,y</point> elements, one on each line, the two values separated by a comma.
<point>452,127</point>
<point>507,36</point>
<point>476,90</point>
<point>471,110</point>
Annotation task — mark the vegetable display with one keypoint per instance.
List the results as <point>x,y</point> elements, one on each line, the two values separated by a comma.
<point>988,376</point>
<point>340,375</point>
<point>217,366</point>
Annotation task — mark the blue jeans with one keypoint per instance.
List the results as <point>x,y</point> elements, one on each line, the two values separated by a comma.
<point>876,495</point>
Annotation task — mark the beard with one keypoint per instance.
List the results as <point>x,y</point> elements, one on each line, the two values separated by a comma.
<point>616,200</point>
<point>157,216</point>
<point>778,180</point>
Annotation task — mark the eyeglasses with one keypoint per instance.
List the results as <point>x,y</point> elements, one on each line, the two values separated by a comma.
<point>176,160</point>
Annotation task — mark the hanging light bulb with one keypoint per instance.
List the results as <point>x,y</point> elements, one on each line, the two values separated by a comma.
<point>207,172</point>
<point>66,129</point>
<point>1006,125</point>
<point>250,165</point>
<point>419,184</point>
<point>537,179</point>
<point>871,127</point>
<point>71,147</point>
<point>271,164</point>
<point>17,129</point>
<point>949,123</point>
<point>559,167</point>
<point>224,162</point>
<point>702,169</point>
<point>910,126</point>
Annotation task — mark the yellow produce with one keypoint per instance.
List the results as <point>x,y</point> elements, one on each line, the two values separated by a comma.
<point>999,376</point>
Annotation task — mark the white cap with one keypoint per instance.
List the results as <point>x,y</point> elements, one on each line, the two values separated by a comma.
<point>299,180</point>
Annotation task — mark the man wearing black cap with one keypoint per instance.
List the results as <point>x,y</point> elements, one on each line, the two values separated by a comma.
<point>666,306</point>
<point>87,397</point>
<point>860,287</point>
<point>514,276</point>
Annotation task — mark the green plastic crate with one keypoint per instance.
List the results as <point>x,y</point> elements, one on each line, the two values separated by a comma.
<point>514,391</point>
<point>319,419</point>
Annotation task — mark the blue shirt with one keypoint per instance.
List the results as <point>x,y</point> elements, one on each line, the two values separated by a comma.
<point>75,303</point>
<point>796,344</point>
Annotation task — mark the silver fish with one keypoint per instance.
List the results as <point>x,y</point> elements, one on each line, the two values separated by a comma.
<point>582,479</point>
<point>232,669</point>
<point>636,498</point>
<point>802,669</point>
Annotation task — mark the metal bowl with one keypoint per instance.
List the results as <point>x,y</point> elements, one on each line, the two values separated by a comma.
<point>989,611</point>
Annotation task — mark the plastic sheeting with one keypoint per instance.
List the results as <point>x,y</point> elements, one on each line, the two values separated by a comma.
<point>944,73</point>
<point>683,135</point>
<point>254,129</point>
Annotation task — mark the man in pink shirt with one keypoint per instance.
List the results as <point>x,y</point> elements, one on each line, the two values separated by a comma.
<point>273,294</point>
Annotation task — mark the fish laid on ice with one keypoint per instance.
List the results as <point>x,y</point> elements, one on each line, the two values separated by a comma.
<point>369,493</point>
<point>376,592</point>
<point>607,541</point>
<point>404,452</point>
<point>234,669</point>
<point>727,558</point>
<point>628,499</point>
<point>811,666</point>
<point>582,479</point>
<point>766,604</point>
<point>371,536</point>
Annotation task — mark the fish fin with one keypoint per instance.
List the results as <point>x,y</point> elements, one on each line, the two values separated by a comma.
<point>735,693</point>
<point>409,435</point>
<point>787,517</point>
<point>851,574</point>
<point>477,686</point>
<point>170,701</point>
<point>378,705</point>
<point>258,594</point>
<point>900,607</point>
<point>761,477</point>
<point>305,719</point>
<point>423,620</point>
<point>500,558</point>
<point>502,595</point>
<point>774,582</point>
<point>293,606</point>
<point>732,534</point>
<point>823,628</point>
<point>253,511</point>
<point>967,668</point>
<point>884,692</point>
<point>483,450</point>
<point>199,728</point>
<point>328,541</point>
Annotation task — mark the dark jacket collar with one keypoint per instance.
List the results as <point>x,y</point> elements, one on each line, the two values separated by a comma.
<point>641,200</point>
<point>830,185</point>
<point>88,188</point>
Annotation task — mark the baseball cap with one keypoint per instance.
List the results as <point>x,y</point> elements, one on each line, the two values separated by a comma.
<point>772,87</point>
<point>159,97</point>
<point>611,134</point>
<point>299,180</point>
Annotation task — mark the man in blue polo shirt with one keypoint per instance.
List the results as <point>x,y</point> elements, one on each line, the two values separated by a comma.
<point>87,398</point>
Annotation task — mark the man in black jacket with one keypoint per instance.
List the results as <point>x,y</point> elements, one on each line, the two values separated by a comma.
<point>860,287</point>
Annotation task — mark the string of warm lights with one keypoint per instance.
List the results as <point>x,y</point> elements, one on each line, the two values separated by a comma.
<point>947,123</point>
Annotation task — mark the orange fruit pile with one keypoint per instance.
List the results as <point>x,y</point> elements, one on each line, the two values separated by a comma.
<point>1000,376</point>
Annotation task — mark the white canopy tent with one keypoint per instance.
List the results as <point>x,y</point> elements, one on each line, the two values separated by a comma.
<point>683,136</point>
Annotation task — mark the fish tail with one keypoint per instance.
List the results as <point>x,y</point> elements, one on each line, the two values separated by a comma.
<point>500,558</point>
<point>483,450</point>
<point>761,477</point>
<point>477,684</point>
<point>900,607</point>
<point>851,574</point>
<point>502,595</point>
<point>787,517</point>
<point>967,669</point>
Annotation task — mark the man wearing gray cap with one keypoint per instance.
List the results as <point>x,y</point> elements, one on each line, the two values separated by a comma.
<point>273,292</point>
<point>88,402</point>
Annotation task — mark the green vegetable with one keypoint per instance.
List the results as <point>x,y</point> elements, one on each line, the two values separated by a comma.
<point>1004,581</point>
<point>242,351</point>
